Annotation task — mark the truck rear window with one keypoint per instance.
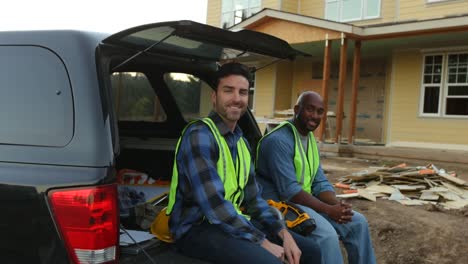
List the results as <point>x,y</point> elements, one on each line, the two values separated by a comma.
<point>192,95</point>
<point>36,105</point>
<point>135,98</point>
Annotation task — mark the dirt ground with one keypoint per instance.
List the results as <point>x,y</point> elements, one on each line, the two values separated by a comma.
<point>408,234</point>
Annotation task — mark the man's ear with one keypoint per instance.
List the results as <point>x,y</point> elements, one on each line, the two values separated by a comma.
<point>296,111</point>
<point>213,97</point>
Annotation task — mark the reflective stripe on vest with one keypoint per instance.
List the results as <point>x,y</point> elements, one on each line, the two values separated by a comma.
<point>233,186</point>
<point>306,166</point>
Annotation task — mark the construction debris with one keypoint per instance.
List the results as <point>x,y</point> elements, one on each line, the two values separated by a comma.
<point>407,185</point>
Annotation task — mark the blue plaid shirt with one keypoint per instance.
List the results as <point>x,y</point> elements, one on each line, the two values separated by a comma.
<point>200,192</point>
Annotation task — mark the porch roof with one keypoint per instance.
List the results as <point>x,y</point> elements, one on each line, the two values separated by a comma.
<point>290,22</point>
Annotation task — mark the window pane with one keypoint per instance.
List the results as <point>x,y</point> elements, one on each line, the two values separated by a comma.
<point>36,103</point>
<point>255,3</point>
<point>227,20</point>
<point>428,69</point>
<point>135,98</point>
<point>428,78</point>
<point>351,10</point>
<point>463,58</point>
<point>458,90</point>
<point>429,60</point>
<point>372,8</point>
<point>431,100</point>
<point>438,59</point>
<point>192,95</point>
<point>461,78</point>
<point>457,106</point>
<point>436,79</point>
<point>452,69</point>
<point>452,78</point>
<point>437,68</point>
<point>333,11</point>
<point>453,59</point>
<point>227,6</point>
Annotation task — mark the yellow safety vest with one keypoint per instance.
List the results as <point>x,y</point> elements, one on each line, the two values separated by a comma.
<point>233,176</point>
<point>306,166</point>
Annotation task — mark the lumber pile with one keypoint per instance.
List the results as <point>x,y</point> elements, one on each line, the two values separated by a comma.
<point>407,185</point>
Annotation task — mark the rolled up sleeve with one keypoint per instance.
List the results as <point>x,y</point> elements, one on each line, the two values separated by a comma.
<point>321,183</point>
<point>276,162</point>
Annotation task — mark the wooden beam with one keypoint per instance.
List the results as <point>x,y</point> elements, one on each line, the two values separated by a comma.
<point>354,91</point>
<point>341,86</point>
<point>325,82</point>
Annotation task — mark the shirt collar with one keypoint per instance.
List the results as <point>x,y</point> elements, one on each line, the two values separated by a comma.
<point>222,127</point>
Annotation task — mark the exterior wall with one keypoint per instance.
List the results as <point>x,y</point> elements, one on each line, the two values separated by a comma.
<point>265,83</point>
<point>406,127</point>
<point>273,4</point>
<point>284,80</point>
<point>213,14</point>
<point>312,8</point>
<point>290,6</point>
<point>410,9</point>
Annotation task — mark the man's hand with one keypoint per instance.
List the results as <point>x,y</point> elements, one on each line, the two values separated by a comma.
<point>347,212</point>
<point>340,212</point>
<point>291,250</point>
<point>274,249</point>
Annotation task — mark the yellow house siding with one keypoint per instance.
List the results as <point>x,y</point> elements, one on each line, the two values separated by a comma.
<point>406,125</point>
<point>273,4</point>
<point>312,8</point>
<point>283,85</point>
<point>410,9</point>
<point>213,13</point>
<point>290,6</point>
<point>265,83</point>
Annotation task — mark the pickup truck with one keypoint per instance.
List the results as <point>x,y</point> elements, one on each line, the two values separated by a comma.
<point>76,107</point>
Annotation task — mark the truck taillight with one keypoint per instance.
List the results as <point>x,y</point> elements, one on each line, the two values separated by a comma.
<point>88,221</point>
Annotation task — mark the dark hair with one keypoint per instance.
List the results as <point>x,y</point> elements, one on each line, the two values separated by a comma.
<point>233,68</point>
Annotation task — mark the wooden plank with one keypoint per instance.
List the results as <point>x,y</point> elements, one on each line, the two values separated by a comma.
<point>455,204</point>
<point>325,83</point>
<point>429,196</point>
<point>403,187</point>
<point>461,192</point>
<point>412,202</point>
<point>341,85</point>
<point>381,189</point>
<point>453,179</point>
<point>367,195</point>
<point>354,91</point>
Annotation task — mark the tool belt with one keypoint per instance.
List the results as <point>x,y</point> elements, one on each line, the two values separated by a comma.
<point>295,218</point>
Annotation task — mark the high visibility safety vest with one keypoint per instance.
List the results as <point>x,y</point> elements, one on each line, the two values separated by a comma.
<point>233,175</point>
<point>306,165</point>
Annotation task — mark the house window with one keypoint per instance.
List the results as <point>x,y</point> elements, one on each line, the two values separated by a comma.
<point>445,85</point>
<point>351,10</point>
<point>235,11</point>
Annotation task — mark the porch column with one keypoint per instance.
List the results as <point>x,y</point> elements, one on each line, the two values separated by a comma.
<point>352,114</point>
<point>341,86</point>
<point>325,82</point>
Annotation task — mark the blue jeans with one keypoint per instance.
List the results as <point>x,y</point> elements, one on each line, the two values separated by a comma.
<point>354,235</point>
<point>210,243</point>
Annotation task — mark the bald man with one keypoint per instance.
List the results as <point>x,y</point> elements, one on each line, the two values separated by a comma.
<point>288,168</point>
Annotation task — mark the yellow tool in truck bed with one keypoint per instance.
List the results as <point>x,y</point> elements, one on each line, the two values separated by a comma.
<point>295,218</point>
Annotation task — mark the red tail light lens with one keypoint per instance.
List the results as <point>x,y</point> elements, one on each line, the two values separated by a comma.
<point>88,221</point>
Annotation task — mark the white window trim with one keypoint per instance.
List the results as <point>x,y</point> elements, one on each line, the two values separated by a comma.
<point>423,87</point>
<point>443,86</point>
<point>361,18</point>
